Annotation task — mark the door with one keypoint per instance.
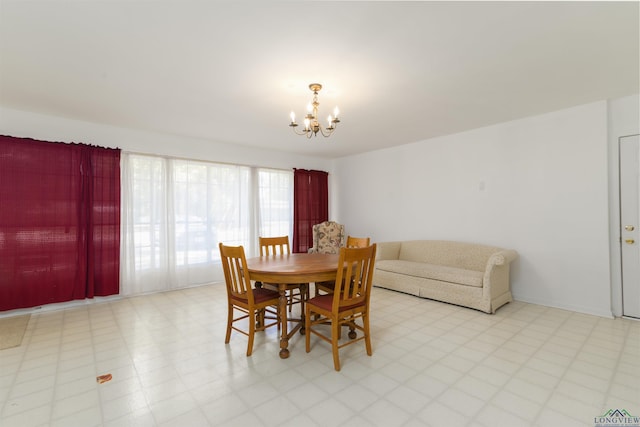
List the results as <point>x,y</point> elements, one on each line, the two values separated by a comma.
<point>630,223</point>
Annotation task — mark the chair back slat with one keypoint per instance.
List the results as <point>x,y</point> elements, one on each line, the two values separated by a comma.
<point>353,282</point>
<point>234,265</point>
<point>274,245</point>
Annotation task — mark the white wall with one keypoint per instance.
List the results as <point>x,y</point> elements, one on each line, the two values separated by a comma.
<point>541,185</point>
<point>624,120</point>
<point>48,128</point>
<point>538,185</point>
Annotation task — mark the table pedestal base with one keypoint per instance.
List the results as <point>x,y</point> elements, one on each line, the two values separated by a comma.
<point>285,334</point>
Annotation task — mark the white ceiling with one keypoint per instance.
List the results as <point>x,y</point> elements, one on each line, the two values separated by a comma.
<point>232,71</point>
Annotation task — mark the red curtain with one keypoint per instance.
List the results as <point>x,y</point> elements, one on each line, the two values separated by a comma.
<point>310,205</point>
<point>59,222</point>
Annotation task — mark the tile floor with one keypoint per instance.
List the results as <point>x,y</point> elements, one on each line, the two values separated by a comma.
<point>433,364</point>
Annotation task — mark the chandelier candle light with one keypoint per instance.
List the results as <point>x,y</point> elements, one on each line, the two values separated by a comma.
<point>311,124</point>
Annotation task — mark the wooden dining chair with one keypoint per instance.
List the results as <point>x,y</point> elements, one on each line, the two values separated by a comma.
<point>296,292</point>
<point>253,304</point>
<point>274,245</point>
<point>352,242</point>
<point>347,305</point>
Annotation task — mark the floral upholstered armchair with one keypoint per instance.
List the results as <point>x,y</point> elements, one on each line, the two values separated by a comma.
<point>328,238</point>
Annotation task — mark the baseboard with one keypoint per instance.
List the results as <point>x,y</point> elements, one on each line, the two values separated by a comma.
<point>577,309</point>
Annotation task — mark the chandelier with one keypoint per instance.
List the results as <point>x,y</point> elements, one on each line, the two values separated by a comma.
<point>311,124</point>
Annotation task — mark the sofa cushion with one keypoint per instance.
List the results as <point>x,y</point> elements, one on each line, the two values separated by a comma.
<point>432,271</point>
<point>467,256</point>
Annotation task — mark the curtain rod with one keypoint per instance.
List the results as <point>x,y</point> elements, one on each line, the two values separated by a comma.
<point>164,156</point>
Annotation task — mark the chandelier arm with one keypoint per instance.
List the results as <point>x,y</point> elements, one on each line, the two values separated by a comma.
<point>326,132</point>
<point>303,132</point>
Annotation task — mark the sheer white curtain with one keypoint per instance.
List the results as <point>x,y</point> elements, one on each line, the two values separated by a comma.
<point>275,201</point>
<point>146,263</point>
<point>175,212</point>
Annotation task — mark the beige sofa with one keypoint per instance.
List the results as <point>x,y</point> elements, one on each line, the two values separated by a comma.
<point>466,274</point>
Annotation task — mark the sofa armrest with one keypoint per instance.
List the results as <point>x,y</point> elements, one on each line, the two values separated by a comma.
<point>496,275</point>
<point>505,256</point>
<point>388,250</point>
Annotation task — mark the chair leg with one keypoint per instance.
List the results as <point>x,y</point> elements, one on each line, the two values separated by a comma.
<point>229,322</point>
<point>307,329</point>
<point>303,297</point>
<point>335,329</point>
<point>260,322</point>
<point>317,292</point>
<point>252,332</point>
<point>367,336</point>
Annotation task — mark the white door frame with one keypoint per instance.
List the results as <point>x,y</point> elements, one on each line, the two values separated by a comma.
<point>615,251</point>
<point>629,224</point>
<point>623,116</point>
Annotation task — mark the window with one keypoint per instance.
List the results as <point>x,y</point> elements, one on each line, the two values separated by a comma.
<point>211,206</point>
<point>276,203</point>
<point>175,212</point>
<point>148,210</point>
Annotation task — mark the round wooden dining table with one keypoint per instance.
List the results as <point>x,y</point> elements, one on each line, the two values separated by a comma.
<point>285,269</point>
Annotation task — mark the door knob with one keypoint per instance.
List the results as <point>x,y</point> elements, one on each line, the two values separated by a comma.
<point>629,227</point>
<point>630,241</point>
